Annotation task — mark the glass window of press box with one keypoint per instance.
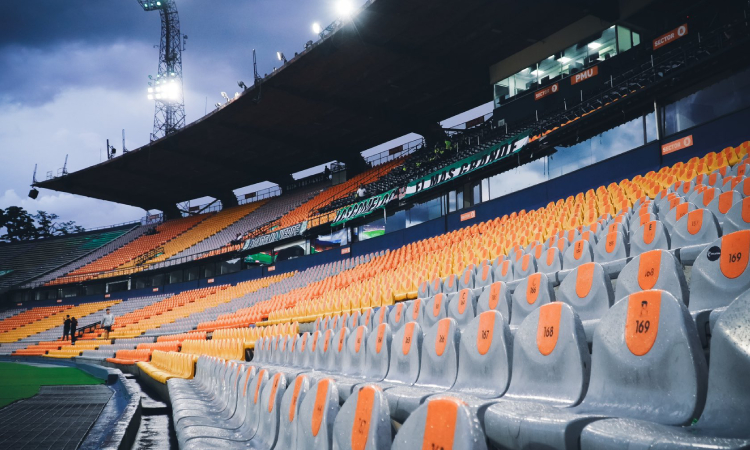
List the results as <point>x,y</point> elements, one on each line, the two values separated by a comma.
<point>609,43</point>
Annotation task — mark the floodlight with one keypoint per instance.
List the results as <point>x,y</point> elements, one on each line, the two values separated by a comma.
<point>594,45</point>
<point>242,85</point>
<point>218,105</point>
<point>236,95</point>
<point>280,56</point>
<point>344,8</point>
<point>316,28</point>
<point>224,94</point>
<point>563,60</point>
<point>150,90</point>
<point>537,73</point>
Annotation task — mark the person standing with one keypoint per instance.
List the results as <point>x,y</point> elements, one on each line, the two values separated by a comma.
<point>107,321</point>
<point>66,328</point>
<point>73,326</point>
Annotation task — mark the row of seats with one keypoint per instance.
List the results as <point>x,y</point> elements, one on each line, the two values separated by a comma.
<point>47,320</point>
<point>644,384</point>
<point>166,365</point>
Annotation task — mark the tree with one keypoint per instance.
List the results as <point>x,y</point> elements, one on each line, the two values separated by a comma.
<point>46,224</point>
<point>18,224</point>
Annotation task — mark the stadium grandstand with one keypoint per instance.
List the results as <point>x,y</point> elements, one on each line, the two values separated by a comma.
<point>569,271</point>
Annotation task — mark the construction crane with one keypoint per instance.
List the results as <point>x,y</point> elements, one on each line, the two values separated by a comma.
<point>166,88</point>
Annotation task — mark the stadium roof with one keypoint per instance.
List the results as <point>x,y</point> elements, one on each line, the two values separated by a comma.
<point>398,67</point>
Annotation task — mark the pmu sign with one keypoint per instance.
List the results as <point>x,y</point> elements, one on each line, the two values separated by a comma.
<point>541,93</point>
<point>671,36</point>
<point>584,75</point>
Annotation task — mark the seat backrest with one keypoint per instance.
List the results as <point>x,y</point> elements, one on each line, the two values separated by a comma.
<point>252,413</point>
<point>466,280</point>
<point>354,357</point>
<point>365,318</point>
<point>353,321</point>
<point>728,397</point>
<point>462,307</point>
<point>313,342</point>
<point>450,283</point>
<point>439,364</point>
<point>336,354</point>
<point>484,275</point>
<point>611,247</point>
<point>290,406</point>
<point>588,290</point>
<point>317,415</point>
<point>415,310</point>
<point>441,422</point>
<point>551,261</point>
<point>722,203</point>
<point>435,287</point>
<point>484,356</point>
<point>397,316</point>
<point>495,297</point>
<point>696,227</point>
<point>504,271</point>
<point>364,421</point>
<point>580,252</point>
<point>379,316</point>
<point>647,362</point>
<point>721,272</point>
<point>649,236</point>
<point>289,353</point>
<point>406,353</point>
<point>525,266</point>
<point>270,410</point>
<point>435,308</point>
<point>378,352</point>
<point>530,294</point>
<point>551,361</point>
<point>303,350</point>
<point>423,290</point>
<point>675,214</point>
<point>655,269</point>
<point>738,217</point>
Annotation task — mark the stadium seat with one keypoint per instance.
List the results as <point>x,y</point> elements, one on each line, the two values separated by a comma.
<point>656,269</point>
<point>406,354</point>
<point>363,421</point>
<point>588,290</point>
<point>437,369</point>
<point>504,272</point>
<point>495,297</point>
<point>524,267</point>
<point>466,280</point>
<point>415,310</point>
<point>550,262</point>
<point>484,275</point>
<point>612,252</point>
<point>693,232</point>
<point>675,214</point>
<point>450,284</point>
<point>397,317</point>
<point>649,236</point>
<point>652,368</point>
<point>738,217</point>
<point>442,422</point>
<point>723,423</point>
<point>530,294</point>
<point>377,354</point>
<point>551,365</point>
<point>720,273</point>
<point>435,309</point>
<point>462,307</point>
<point>220,406</point>
<point>290,406</point>
<point>580,252</point>
<point>317,416</point>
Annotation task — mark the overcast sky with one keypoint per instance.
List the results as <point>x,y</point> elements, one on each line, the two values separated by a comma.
<point>74,73</point>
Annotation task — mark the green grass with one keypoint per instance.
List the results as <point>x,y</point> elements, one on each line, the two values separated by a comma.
<point>19,381</point>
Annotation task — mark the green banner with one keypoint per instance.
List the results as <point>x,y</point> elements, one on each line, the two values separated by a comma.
<point>475,162</point>
<point>363,208</point>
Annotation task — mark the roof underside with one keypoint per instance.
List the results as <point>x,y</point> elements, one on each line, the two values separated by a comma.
<point>399,67</point>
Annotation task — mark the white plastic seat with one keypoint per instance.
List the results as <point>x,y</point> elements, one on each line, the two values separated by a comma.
<point>363,422</point>
<point>588,290</point>
<point>495,297</point>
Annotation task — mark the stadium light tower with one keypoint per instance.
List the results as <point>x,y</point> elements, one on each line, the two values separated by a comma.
<point>166,88</point>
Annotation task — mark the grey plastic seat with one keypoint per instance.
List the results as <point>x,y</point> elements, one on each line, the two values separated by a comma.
<point>377,353</point>
<point>323,351</point>
<point>466,280</point>
<point>437,369</point>
<point>524,267</point>
<point>612,252</point>
<point>423,290</point>
<point>484,358</point>
<point>290,405</point>
<point>243,432</point>
<point>462,306</point>
<point>720,273</point>
<point>676,213</point>
<point>353,321</point>
<point>397,316</point>
<point>650,236</point>
<point>725,418</point>
<point>363,422</point>
<point>722,203</point>
<point>221,405</point>
<point>435,287</point>
<point>656,269</point>
<point>550,262</point>
<point>647,363</point>
<point>588,290</point>
<point>435,309</point>
<point>331,353</point>
<point>693,232</point>
<point>415,310</point>
<point>504,272</point>
<point>484,275</point>
<point>406,353</point>
<point>450,284</point>
<point>317,415</point>
<point>580,252</point>
<point>529,295</point>
<point>303,353</point>
<point>713,179</point>
<point>365,319</point>
<point>380,315</point>
<point>495,297</point>
<point>738,217</point>
<point>442,422</point>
